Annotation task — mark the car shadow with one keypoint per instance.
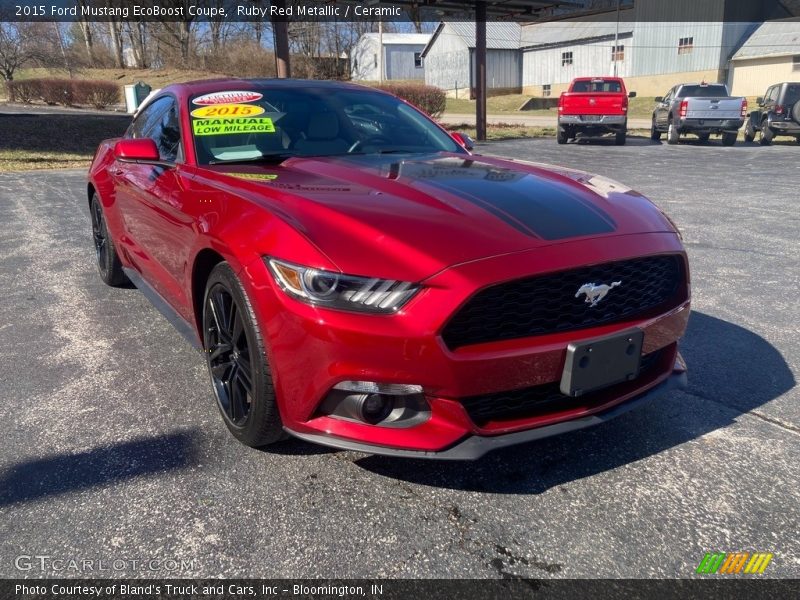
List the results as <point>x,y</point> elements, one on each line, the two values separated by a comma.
<point>716,352</point>
<point>63,473</point>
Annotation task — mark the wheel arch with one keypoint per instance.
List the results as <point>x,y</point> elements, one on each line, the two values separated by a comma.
<point>204,263</point>
<point>90,191</point>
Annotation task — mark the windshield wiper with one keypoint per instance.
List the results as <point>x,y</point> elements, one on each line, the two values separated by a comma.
<point>269,158</point>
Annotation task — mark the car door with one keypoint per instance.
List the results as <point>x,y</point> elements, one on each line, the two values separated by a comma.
<point>156,216</point>
<point>662,109</point>
<point>771,100</point>
<point>130,182</point>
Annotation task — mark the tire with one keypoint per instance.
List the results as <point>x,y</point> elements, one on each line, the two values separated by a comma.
<point>749,131</point>
<point>729,138</point>
<point>237,363</point>
<point>703,137</point>
<point>619,139</point>
<point>767,135</point>
<point>655,134</point>
<point>673,135</point>
<point>561,135</point>
<point>108,264</point>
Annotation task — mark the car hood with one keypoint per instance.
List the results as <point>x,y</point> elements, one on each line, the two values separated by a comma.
<point>410,216</point>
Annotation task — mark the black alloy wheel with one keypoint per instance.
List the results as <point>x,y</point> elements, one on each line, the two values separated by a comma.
<point>108,263</point>
<point>237,361</point>
<point>229,356</point>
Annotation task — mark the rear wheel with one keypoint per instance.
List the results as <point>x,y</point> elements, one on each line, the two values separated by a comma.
<point>237,361</point>
<point>619,139</point>
<point>673,135</point>
<point>703,137</point>
<point>655,134</point>
<point>561,135</point>
<point>108,263</point>
<point>729,138</point>
<point>767,135</point>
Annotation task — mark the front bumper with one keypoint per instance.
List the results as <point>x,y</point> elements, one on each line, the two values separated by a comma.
<point>311,350</point>
<point>473,447</point>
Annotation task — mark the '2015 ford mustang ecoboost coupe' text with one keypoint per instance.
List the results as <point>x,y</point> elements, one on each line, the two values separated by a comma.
<point>356,277</point>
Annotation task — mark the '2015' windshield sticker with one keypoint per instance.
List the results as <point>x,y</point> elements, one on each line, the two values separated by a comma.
<point>228,110</point>
<point>231,97</point>
<point>229,126</point>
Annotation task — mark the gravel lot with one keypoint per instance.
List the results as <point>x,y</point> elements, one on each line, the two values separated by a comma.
<point>113,448</point>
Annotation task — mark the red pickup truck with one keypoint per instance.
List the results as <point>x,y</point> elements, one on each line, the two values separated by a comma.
<point>594,106</point>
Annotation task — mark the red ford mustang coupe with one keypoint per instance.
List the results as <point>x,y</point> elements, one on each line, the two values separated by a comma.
<point>356,277</point>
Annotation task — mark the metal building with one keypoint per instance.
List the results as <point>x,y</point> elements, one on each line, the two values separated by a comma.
<point>402,57</point>
<point>450,58</point>
<point>771,55</point>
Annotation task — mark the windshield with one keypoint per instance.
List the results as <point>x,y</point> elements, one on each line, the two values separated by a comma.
<point>703,91</point>
<point>263,124</point>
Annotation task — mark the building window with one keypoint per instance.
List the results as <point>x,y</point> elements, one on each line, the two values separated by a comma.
<point>796,63</point>
<point>418,60</point>
<point>375,58</point>
<point>685,45</point>
<point>617,53</point>
<point>566,59</point>
<point>546,89</point>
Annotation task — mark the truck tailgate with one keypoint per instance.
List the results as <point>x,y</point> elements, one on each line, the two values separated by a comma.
<point>592,103</point>
<point>714,108</point>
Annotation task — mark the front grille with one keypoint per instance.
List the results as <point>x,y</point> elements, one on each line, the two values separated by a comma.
<point>547,303</point>
<point>541,399</point>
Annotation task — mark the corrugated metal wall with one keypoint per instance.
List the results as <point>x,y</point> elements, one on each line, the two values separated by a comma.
<point>541,67</point>
<point>447,62</point>
<point>400,61</point>
<point>503,68</point>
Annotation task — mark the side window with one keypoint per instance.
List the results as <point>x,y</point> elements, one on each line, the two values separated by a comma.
<point>167,134</point>
<point>146,120</point>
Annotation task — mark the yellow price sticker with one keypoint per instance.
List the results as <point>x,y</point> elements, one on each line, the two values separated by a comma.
<point>233,126</point>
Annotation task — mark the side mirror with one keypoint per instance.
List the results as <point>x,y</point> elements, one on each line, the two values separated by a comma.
<point>760,100</point>
<point>659,98</point>
<point>143,149</point>
<point>631,94</point>
<point>463,140</point>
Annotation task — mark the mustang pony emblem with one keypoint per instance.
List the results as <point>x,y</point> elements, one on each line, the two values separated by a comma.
<point>595,293</point>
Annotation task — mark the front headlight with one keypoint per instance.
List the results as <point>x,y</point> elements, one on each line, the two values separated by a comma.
<point>335,290</point>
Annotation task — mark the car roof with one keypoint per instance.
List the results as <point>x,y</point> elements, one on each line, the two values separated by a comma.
<point>206,86</point>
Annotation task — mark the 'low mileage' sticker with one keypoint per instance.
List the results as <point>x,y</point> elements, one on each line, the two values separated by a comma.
<point>228,110</point>
<point>233,126</point>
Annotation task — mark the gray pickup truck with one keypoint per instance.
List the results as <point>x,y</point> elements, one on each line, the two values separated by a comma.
<point>701,109</point>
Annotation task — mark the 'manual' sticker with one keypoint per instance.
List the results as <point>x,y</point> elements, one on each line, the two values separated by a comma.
<point>228,110</point>
<point>237,125</point>
<point>232,97</point>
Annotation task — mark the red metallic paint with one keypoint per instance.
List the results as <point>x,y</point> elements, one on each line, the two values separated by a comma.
<point>333,214</point>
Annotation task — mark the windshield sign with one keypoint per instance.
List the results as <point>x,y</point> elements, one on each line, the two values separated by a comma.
<point>276,124</point>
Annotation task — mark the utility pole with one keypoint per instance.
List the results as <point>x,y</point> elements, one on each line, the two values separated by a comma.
<point>616,41</point>
<point>380,52</point>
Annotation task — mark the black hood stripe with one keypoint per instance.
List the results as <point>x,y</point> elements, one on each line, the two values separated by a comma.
<point>536,207</point>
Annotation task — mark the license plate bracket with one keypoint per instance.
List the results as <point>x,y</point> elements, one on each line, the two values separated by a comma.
<point>591,118</point>
<point>601,362</point>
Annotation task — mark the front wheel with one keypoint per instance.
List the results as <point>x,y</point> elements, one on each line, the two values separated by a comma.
<point>729,138</point>
<point>703,137</point>
<point>108,263</point>
<point>237,361</point>
<point>673,135</point>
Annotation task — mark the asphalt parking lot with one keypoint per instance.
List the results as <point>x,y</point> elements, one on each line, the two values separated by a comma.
<point>113,449</point>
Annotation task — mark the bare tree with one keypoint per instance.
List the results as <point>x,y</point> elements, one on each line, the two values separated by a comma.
<point>18,47</point>
<point>137,36</point>
<point>88,39</point>
<point>114,32</point>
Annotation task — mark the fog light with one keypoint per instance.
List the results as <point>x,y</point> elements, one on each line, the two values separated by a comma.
<point>382,404</point>
<point>375,408</point>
